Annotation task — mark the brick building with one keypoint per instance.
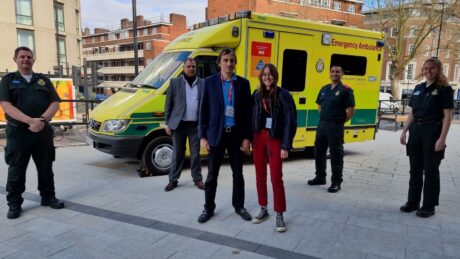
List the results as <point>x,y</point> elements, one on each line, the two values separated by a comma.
<point>113,48</point>
<point>447,51</point>
<point>341,12</point>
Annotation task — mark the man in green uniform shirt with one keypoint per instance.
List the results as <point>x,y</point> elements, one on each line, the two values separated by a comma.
<point>29,101</point>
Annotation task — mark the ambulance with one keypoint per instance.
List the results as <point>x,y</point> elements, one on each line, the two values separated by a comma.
<point>131,122</point>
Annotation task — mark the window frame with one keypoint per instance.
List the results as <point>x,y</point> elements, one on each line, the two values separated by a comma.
<point>32,33</point>
<point>58,24</point>
<point>17,15</point>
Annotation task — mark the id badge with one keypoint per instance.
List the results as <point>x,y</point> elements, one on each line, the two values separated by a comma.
<point>268,123</point>
<point>229,111</point>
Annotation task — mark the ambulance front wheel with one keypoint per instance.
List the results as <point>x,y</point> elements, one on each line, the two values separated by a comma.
<point>157,156</point>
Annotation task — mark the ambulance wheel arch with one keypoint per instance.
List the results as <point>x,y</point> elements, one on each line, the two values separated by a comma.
<point>156,155</point>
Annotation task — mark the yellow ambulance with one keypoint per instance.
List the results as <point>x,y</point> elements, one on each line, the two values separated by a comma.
<point>131,122</point>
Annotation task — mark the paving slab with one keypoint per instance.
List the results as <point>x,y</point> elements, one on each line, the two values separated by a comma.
<point>111,212</point>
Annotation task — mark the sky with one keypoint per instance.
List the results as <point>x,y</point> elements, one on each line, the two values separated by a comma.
<point>108,13</point>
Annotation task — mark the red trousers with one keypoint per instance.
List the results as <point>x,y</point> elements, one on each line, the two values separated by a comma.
<point>265,147</point>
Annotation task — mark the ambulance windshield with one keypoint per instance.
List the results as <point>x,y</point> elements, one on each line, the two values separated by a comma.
<point>161,69</point>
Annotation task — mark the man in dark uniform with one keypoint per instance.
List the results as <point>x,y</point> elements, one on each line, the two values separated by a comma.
<point>336,105</point>
<point>29,101</point>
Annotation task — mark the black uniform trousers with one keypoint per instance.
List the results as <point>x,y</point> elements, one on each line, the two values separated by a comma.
<point>329,134</point>
<point>21,144</point>
<point>216,154</point>
<point>424,160</point>
<point>185,129</point>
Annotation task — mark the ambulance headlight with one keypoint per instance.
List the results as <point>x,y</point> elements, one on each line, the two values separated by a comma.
<point>115,126</point>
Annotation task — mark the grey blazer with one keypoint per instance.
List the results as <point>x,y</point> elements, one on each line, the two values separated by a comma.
<point>176,103</point>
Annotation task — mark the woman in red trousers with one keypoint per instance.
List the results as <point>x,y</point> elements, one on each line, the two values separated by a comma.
<point>274,123</point>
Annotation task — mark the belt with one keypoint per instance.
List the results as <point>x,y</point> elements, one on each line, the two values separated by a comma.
<point>422,121</point>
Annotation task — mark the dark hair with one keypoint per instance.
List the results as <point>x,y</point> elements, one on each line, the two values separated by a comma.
<point>336,65</point>
<point>441,79</point>
<point>270,94</point>
<point>189,59</point>
<point>16,51</point>
<point>226,51</point>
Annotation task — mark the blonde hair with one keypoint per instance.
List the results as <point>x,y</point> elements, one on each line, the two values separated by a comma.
<point>441,79</point>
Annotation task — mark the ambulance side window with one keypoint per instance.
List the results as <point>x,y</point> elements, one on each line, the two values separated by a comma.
<point>206,66</point>
<point>352,65</point>
<point>294,70</point>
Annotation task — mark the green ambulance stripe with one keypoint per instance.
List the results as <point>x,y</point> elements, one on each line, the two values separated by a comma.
<point>361,117</point>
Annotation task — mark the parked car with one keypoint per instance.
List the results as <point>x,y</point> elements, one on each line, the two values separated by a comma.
<point>387,103</point>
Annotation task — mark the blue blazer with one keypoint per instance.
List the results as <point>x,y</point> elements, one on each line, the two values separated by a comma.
<point>212,110</point>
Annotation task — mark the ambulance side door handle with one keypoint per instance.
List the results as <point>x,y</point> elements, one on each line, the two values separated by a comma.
<point>302,100</point>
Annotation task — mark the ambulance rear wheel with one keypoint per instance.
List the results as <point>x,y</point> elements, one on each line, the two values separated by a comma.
<point>157,156</point>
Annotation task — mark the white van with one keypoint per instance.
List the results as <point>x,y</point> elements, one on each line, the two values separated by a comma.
<point>387,103</point>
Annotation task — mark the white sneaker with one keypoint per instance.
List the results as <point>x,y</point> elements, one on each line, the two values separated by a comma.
<point>261,217</point>
<point>280,226</point>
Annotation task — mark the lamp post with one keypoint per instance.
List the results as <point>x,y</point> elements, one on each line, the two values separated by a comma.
<point>136,57</point>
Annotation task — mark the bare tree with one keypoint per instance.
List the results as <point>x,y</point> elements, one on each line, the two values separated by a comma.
<point>409,23</point>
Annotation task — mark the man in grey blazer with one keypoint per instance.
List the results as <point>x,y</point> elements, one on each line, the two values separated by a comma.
<point>181,116</point>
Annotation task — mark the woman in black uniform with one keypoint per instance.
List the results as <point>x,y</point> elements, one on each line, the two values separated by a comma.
<point>428,124</point>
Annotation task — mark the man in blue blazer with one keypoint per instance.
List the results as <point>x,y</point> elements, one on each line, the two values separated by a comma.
<point>225,125</point>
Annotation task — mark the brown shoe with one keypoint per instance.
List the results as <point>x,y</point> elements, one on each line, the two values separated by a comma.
<point>199,184</point>
<point>171,186</point>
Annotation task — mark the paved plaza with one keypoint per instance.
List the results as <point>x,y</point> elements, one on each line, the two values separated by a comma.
<point>112,213</point>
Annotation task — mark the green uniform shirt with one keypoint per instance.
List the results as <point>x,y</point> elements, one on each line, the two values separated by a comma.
<point>32,98</point>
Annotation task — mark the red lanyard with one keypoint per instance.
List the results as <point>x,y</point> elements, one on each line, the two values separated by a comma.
<point>266,106</point>
<point>230,91</point>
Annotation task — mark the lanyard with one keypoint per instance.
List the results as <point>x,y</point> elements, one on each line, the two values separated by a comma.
<point>266,105</point>
<point>230,91</point>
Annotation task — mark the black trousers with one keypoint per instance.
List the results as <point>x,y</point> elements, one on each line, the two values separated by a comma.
<point>21,144</point>
<point>232,144</point>
<point>424,161</point>
<point>186,129</point>
<point>329,134</point>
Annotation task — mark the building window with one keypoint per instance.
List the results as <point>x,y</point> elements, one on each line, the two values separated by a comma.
<point>124,34</point>
<point>415,12</point>
<point>412,31</point>
<point>410,71</point>
<point>410,49</point>
<point>78,51</point>
<point>61,50</point>
<point>389,71</point>
<point>351,8</point>
<point>446,70</point>
<point>112,36</point>
<point>427,50</point>
<point>24,12</point>
<point>101,38</point>
<point>393,51</point>
<point>59,17</point>
<point>337,6</point>
<point>145,31</point>
<point>26,39</point>
<point>394,31</point>
<point>148,46</point>
<point>325,3</point>
<point>77,17</point>
<point>447,54</point>
<point>457,73</point>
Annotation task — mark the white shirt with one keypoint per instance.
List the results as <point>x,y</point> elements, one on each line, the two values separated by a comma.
<point>191,99</point>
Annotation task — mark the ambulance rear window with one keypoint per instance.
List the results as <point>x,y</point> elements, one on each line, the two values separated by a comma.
<point>352,65</point>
